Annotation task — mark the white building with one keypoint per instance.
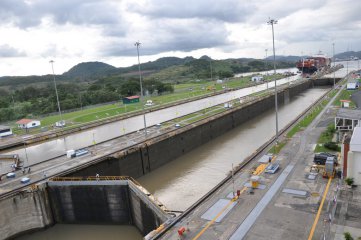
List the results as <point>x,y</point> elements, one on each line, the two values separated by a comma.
<point>257,78</point>
<point>354,157</point>
<point>351,86</point>
<point>28,123</point>
<point>60,123</point>
<point>5,131</point>
<point>347,119</point>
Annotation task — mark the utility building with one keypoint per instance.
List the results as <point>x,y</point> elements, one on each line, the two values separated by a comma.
<point>257,78</point>
<point>28,123</point>
<point>131,99</point>
<point>5,131</point>
<point>347,119</point>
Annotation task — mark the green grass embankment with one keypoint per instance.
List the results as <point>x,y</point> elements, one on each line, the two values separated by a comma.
<point>306,120</point>
<point>325,143</point>
<point>345,95</point>
<point>182,91</point>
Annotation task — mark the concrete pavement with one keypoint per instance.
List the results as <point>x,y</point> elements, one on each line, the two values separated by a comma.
<point>284,216</point>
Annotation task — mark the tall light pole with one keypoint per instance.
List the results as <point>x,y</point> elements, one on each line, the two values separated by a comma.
<point>334,65</point>
<point>347,69</point>
<point>272,22</point>
<point>26,153</point>
<point>303,63</point>
<point>137,44</point>
<point>266,67</point>
<point>210,63</point>
<point>56,93</point>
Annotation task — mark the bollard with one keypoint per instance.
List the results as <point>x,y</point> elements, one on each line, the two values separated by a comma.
<point>181,231</point>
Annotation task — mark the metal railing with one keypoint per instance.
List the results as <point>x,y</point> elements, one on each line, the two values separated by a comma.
<point>90,178</point>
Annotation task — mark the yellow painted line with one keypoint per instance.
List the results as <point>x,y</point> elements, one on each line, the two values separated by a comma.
<point>258,171</point>
<point>219,214</point>
<point>319,209</point>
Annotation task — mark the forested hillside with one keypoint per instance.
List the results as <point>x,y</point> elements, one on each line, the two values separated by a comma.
<point>96,82</point>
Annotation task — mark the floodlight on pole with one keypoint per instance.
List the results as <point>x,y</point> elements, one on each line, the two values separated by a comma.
<point>334,65</point>
<point>56,93</point>
<point>303,63</point>
<point>266,67</point>
<point>210,63</point>
<point>347,69</point>
<point>273,22</point>
<point>26,153</point>
<point>137,44</point>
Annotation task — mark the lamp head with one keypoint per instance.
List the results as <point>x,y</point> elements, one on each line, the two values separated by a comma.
<point>271,21</point>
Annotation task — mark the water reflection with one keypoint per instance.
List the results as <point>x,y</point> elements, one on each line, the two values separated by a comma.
<point>89,232</point>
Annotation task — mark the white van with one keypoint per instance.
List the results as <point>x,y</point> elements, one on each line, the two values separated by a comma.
<point>149,103</point>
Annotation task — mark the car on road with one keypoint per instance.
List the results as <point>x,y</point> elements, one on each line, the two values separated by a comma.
<point>10,175</point>
<point>25,180</point>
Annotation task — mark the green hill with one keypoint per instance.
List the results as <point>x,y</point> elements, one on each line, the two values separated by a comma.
<point>90,70</point>
<point>158,64</point>
<point>168,69</point>
<point>348,55</point>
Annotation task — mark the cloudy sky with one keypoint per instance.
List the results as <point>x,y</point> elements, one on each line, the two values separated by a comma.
<point>73,31</point>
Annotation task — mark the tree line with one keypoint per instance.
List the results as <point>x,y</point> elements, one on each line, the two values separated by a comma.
<point>32,101</point>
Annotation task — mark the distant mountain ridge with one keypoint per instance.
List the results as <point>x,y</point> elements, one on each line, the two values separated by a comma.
<point>165,68</point>
<point>349,54</point>
<point>286,58</point>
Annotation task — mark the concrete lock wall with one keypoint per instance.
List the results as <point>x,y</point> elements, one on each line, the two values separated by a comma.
<point>24,212</point>
<point>154,153</point>
<point>127,163</point>
<point>90,202</point>
<point>146,215</point>
<point>104,202</point>
<point>325,81</point>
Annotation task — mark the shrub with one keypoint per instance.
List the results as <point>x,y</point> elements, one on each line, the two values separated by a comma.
<point>331,146</point>
<point>349,181</point>
<point>347,236</point>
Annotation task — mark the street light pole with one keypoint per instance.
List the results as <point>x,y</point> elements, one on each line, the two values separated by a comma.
<point>26,154</point>
<point>347,69</point>
<point>272,22</point>
<point>137,44</point>
<point>210,63</point>
<point>266,67</point>
<point>56,93</point>
<point>334,65</point>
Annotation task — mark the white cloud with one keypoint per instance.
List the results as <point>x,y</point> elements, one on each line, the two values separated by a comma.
<point>73,31</point>
<point>7,51</point>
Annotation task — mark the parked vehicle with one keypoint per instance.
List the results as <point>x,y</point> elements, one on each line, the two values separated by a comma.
<point>149,103</point>
<point>321,158</point>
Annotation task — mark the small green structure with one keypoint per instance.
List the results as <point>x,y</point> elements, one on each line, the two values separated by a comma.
<point>131,99</point>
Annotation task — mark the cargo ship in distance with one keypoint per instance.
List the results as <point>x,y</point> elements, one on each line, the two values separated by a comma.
<point>313,64</point>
